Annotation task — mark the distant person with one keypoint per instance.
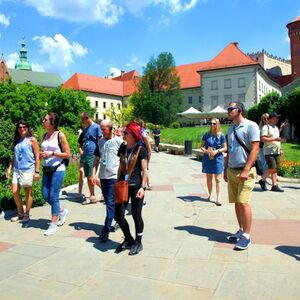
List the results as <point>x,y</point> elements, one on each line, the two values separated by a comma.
<point>92,134</point>
<point>239,170</point>
<point>25,166</point>
<point>263,164</point>
<point>132,153</point>
<point>55,149</point>
<point>81,170</point>
<point>213,145</point>
<point>270,135</point>
<point>107,157</point>
<point>156,134</point>
<point>119,131</point>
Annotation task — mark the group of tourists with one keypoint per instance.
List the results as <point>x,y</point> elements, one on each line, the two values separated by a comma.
<point>110,157</point>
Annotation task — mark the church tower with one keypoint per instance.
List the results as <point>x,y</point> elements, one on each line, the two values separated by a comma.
<point>4,75</point>
<point>294,34</point>
<point>22,62</point>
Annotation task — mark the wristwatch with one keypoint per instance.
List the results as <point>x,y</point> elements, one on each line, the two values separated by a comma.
<point>219,151</point>
<point>144,188</point>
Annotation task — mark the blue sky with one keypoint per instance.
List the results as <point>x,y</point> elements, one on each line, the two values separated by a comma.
<point>100,36</point>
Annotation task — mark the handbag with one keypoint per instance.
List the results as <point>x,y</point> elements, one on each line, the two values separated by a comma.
<point>256,164</point>
<point>26,178</point>
<point>49,170</point>
<point>121,187</point>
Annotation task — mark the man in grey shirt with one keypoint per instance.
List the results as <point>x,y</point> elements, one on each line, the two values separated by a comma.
<point>106,154</point>
<point>239,170</point>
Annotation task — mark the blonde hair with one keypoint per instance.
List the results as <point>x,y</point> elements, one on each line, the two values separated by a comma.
<point>217,130</point>
<point>263,120</point>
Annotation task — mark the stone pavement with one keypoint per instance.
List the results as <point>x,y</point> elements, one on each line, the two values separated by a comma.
<point>185,256</point>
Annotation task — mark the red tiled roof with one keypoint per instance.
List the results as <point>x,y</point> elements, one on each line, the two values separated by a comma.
<point>127,76</point>
<point>189,78</point>
<point>297,19</point>
<point>231,56</point>
<point>95,84</point>
<point>282,80</point>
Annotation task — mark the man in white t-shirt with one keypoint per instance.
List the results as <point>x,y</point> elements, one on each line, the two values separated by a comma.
<point>270,136</point>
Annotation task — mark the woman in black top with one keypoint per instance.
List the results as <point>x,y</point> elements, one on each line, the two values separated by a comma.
<point>137,185</point>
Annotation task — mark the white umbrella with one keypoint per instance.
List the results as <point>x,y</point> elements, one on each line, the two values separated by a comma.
<point>191,113</point>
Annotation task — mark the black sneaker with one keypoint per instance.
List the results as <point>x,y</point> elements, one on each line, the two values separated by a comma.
<point>135,248</point>
<point>263,185</point>
<point>276,188</point>
<point>103,238</point>
<point>123,246</point>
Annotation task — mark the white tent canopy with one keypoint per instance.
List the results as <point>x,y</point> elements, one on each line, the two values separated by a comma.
<point>193,113</point>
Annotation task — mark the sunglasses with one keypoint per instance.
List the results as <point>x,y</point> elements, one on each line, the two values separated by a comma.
<point>213,123</point>
<point>22,127</point>
<point>45,120</point>
<point>125,132</point>
<point>230,109</point>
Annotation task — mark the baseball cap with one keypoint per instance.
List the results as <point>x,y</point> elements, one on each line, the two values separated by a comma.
<point>274,115</point>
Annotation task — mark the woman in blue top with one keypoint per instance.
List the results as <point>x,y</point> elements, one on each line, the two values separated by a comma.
<point>25,165</point>
<point>213,145</point>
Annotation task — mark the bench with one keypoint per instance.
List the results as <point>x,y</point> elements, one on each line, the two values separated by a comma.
<point>198,153</point>
<point>176,149</point>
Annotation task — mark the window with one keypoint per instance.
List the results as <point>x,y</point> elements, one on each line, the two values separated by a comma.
<point>96,103</point>
<point>190,99</point>
<point>104,116</point>
<point>259,85</point>
<point>242,97</point>
<point>104,104</point>
<point>96,116</point>
<point>119,106</point>
<point>227,83</point>
<point>241,82</point>
<point>227,99</point>
<point>200,103</point>
<point>111,105</point>
<point>214,85</point>
<point>214,101</point>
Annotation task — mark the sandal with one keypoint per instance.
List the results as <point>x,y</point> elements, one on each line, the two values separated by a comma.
<point>17,218</point>
<point>91,200</point>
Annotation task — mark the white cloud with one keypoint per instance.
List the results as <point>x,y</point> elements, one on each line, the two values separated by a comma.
<point>178,6</point>
<point>286,38</point>
<point>61,53</point>
<point>11,60</point>
<point>86,11</point>
<point>114,72</point>
<point>0,35</point>
<point>38,67</point>
<point>134,62</point>
<point>4,20</point>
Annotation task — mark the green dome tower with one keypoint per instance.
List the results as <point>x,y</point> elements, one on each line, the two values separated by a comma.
<point>22,62</point>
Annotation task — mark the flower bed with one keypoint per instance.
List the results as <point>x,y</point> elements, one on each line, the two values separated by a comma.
<point>290,169</point>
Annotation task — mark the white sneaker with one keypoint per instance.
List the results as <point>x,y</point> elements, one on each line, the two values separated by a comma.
<point>53,228</point>
<point>62,217</point>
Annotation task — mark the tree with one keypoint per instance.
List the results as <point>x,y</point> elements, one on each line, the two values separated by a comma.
<point>158,97</point>
<point>122,116</point>
<point>69,104</point>
<point>292,104</point>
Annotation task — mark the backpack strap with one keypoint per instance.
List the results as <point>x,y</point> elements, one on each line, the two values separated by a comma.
<point>239,141</point>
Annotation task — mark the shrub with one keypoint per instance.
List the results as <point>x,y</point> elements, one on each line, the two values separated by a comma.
<point>289,169</point>
<point>175,125</point>
<point>150,126</point>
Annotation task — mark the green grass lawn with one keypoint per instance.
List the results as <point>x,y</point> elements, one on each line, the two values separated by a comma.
<point>194,134</point>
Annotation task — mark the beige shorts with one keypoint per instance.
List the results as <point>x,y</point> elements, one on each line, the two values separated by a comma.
<point>22,178</point>
<point>239,191</point>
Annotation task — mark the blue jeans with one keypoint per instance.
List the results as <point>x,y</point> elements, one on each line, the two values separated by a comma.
<point>51,185</point>
<point>107,186</point>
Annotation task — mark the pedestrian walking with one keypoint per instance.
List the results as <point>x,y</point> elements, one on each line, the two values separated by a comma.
<point>55,151</point>
<point>92,134</point>
<point>213,145</point>
<point>106,156</point>
<point>133,160</point>
<point>25,165</point>
<point>156,134</point>
<point>270,135</point>
<point>261,158</point>
<point>239,170</point>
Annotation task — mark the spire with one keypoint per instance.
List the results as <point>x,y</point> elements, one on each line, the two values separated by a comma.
<point>22,62</point>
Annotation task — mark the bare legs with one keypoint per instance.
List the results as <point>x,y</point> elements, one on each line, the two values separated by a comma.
<point>81,176</point>
<point>209,183</point>
<point>18,200</point>
<point>244,216</point>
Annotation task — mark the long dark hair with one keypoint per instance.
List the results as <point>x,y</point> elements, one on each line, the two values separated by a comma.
<point>17,136</point>
<point>54,119</point>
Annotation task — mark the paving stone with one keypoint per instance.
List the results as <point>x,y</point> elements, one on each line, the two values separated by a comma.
<point>34,250</point>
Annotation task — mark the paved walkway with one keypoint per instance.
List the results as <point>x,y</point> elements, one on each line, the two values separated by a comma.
<point>186,255</point>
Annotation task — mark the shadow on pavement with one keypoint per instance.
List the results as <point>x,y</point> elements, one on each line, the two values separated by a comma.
<point>291,187</point>
<point>290,250</point>
<point>103,247</point>
<point>74,197</point>
<point>87,226</point>
<point>193,198</point>
<point>212,234</point>
<point>39,223</point>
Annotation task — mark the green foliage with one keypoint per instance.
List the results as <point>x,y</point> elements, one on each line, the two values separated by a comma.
<point>292,105</point>
<point>175,125</point>
<point>69,104</point>
<point>159,97</point>
<point>120,117</point>
<point>272,102</point>
<point>150,126</point>
<point>31,103</point>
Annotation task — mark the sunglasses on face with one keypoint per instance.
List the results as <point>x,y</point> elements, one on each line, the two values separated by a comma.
<point>22,127</point>
<point>125,132</point>
<point>230,108</point>
<point>212,123</point>
<point>45,120</point>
